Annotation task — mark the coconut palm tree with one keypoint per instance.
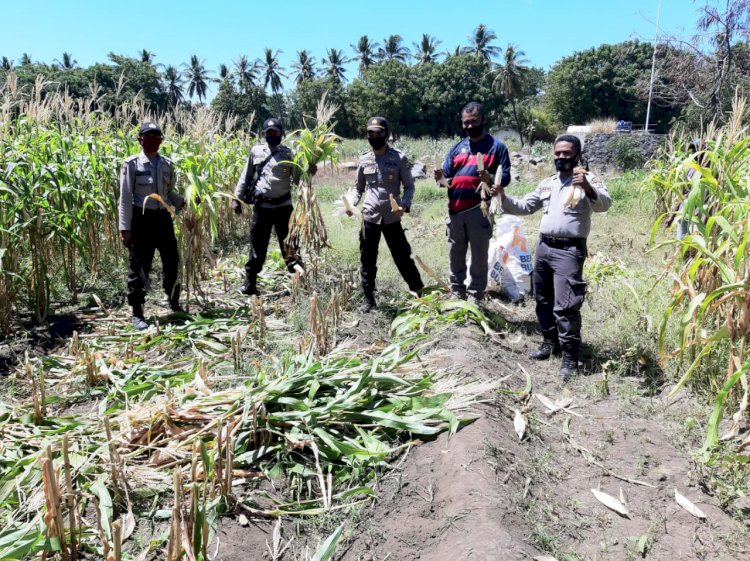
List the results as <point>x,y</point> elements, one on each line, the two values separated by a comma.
<point>334,64</point>
<point>67,62</point>
<point>246,73</point>
<point>510,78</point>
<point>272,71</point>
<point>197,78</point>
<point>458,51</point>
<point>392,49</point>
<point>25,59</point>
<point>174,86</point>
<point>479,43</point>
<point>365,52</point>
<point>6,63</point>
<point>426,50</point>
<point>147,56</point>
<point>304,67</point>
<point>224,73</point>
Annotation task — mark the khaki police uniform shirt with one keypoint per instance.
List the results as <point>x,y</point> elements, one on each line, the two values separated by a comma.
<point>558,221</point>
<point>377,178</point>
<point>276,177</point>
<point>139,178</point>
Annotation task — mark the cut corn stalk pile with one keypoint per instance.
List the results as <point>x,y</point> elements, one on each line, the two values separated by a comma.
<point>434,310</point>
<point>298,438</point>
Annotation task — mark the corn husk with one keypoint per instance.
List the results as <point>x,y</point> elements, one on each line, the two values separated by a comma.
<point>688,505</point>
<point>611,502</point>
<point>394,204</point>
<point>483,189</point>
<point>574,195</point>
<point>442,182</point>
<point>344,206</point>
<point>519,424</point>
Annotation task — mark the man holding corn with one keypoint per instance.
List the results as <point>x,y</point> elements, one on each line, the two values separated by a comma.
<point>567,200</point>
<point>146,185</point>
<point>468,168</point>
<point>266,183</point>
<point>380,175</point>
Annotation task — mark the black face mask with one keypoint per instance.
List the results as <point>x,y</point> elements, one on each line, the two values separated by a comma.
<point>377,142</point>
<point>273,140</point>
<point>565,164</point>
<point>475,131</point>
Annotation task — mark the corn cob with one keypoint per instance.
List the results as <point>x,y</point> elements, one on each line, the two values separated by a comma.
<point>575,194</point>
<point>394,204</point>
<point>483,189</point>
<point>442,182</point>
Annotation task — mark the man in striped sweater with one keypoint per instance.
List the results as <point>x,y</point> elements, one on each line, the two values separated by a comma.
<point>468,227</point>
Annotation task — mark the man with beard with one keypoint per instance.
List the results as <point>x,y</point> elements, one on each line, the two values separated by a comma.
<point>468,226</point>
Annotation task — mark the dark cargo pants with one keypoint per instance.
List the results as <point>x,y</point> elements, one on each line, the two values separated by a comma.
<point>469,229</point>
<point>559,290</point>
<point>150,231</point>
<point>264,221</point>
<point>395,238</point>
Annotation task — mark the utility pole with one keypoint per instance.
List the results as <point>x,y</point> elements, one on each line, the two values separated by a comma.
<point>653,68</point>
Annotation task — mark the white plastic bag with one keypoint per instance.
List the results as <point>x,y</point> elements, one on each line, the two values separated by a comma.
<point>497,259</point>
<point>509,237</point>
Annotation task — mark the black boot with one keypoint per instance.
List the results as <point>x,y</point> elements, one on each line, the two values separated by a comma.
<point>174,299</point>
<point>249,288</point>
<point>138,321</point>
<point>569,365</point>
<point>549,346</point>
<point>368,303</point>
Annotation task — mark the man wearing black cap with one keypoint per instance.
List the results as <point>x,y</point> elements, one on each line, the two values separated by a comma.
<point>380,174</point>
<point>144,228</point>
<point>266,182</point>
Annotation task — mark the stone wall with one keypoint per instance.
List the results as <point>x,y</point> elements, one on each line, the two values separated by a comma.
<point>597,152</point>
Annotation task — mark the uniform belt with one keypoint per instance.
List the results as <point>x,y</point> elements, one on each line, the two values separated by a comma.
<point>141,210</point>
<point>562,243</point>
<point>275,200</point>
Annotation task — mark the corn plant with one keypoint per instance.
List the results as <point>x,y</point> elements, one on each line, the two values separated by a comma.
<point>711,297</point>
<point>311,147</point>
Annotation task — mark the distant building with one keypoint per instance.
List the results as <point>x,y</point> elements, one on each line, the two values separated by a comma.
<point>506,133</point>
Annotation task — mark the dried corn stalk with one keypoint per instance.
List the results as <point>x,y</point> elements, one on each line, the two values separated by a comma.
<point>311,147</point>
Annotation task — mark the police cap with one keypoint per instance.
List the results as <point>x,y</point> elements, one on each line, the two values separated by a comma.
<point>272,124</point>
<point>148,127</point>
<point>377,124</point>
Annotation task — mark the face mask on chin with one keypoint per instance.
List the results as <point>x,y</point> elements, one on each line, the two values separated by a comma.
<point>377,142</point>
<point>150,144</point>
<point>273,140</point>
<point>565,164</point>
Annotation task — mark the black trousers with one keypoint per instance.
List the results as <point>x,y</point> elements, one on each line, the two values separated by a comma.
<point>150,231</point>
<point>264,221</point>
<point>559,291</point>
<point>395,238</point>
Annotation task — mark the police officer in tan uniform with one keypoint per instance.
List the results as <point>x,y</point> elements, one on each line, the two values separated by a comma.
<point>380,174</point>
<point>144,230</point>
<point>559,288</point>
<point>266,183</point>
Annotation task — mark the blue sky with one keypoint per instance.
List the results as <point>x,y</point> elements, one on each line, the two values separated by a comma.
<point>219,31</point>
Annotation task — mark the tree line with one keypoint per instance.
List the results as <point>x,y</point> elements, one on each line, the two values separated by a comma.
<point>420,89</point>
